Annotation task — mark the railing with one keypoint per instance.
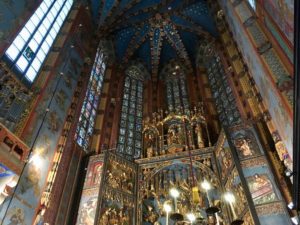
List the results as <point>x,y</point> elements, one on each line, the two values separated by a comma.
<point>13,151</point>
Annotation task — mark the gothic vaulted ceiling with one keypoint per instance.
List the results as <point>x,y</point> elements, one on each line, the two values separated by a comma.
<point>155,31</point>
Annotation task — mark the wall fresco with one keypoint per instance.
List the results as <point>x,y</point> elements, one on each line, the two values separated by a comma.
<point>265,194</point>
<point>282,12</point>
<point>287,50</point>
<point>280,116</point>
<point>34,177</point>
<point>87,207</point>
<point>8,181</point>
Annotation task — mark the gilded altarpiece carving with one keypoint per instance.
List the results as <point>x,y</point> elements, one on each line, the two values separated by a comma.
<point>116,199</point>
<point>161,173</point>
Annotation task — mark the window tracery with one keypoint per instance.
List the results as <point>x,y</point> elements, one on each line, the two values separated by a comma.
<point>29,49</point>
<point>88,111</point>
<point>130,133</point>
<point>177,96</point>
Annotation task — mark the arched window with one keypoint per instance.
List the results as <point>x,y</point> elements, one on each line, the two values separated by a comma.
<point>130,133</point>
<point>29,49</point>
<point>177,96</point>
<point>88,111</point>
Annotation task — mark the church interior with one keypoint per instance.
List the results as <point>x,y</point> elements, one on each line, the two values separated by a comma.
<point>147,112</point>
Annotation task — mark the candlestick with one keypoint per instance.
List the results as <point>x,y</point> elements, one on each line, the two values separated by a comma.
<point>168,209</point>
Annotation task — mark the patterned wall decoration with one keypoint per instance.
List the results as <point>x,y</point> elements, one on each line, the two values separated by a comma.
<point>280,116</point>
<point>15,99</point>
<point>282,12</point>
<point>286,49</point>
<point>158,23</point>
<point>91,187</point>
<point>32,182</point>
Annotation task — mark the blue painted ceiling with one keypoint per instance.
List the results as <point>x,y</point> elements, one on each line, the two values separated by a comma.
<point>155,31</point>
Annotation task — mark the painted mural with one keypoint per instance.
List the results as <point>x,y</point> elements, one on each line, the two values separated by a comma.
<point>32,182</point>
<point>8,181</point>
<point>282,12</point>
<point>265,194</point>
<point>87,207</point>
<point>261,188</point>
<point>280,116</point>
<point>245,143</point>
<point>13,14</point>
<point>89,197</point>
<point>260,184</point>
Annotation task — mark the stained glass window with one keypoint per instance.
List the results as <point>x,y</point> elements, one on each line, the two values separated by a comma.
<point>177,96</point>
<point>252,4</point>
<point>222,93</point>
<point>130,133</point>
<point>88,111</point>
<point>29,49</point>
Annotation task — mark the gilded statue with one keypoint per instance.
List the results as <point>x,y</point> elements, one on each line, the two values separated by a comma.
<point>150,146</point>
<point>199,133</point>
<point>172,137</point>
<point>105,217</point>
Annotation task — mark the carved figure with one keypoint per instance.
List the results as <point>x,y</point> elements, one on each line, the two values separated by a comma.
<point>150,146</point>
<point>105,217</point>
<point>172,137</point>
<point>226,158</point>
<point>191,143</point>
<point>199,133</point>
